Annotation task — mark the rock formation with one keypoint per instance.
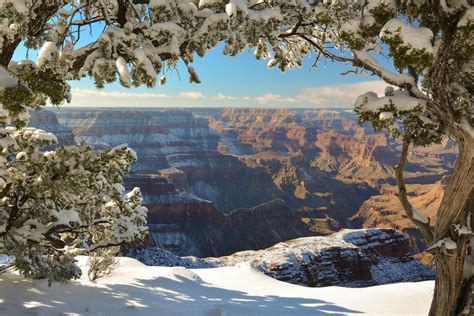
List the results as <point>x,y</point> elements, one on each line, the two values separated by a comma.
<point>354,258</point>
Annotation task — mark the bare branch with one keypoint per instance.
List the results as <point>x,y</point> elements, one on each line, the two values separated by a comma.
<point>424,227</point>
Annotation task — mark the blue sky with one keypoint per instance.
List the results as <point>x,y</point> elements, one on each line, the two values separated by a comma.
<point>234,81</point>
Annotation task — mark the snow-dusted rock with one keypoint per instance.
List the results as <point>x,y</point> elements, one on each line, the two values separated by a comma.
<point>354,258</point>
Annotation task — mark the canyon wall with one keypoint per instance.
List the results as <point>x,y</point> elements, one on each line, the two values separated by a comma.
<point>185,224</point>
<point>218,181</point>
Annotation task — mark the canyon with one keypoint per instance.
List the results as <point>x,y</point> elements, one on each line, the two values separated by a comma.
<point>219,181</point>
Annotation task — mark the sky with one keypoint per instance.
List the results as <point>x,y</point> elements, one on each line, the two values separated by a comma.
<point>239,81</point>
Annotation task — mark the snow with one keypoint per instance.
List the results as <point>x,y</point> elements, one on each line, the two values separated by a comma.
<point>309,260</point>
<point>123,71</point>
<point>351,27</point>
<point>204,3</point>
<point>418,38</point>
<point>19,5</point>
<point>400,100</point>
<point>145,62</point>
<point>231,8</point>
<point>6,79</point>
<point>36,134</point>
<point>386,115</point>
<point>462,230</point>
<point>391,77</point>
<point>187,7</point>
<point>170,27</point>
<point>65,217</point>
<point>135,289</point>
<point>447,242</point>
<point>419,217</point>
<point>266,14</point>
<point>210,21</point>
<point>48,52</point>
<point>467,18</point>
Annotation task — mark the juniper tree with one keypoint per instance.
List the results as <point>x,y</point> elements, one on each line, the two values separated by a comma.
<point>422,49</point>
<point>54,204</point>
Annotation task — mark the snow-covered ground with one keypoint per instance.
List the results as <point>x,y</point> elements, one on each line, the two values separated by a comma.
<point>136,289</point>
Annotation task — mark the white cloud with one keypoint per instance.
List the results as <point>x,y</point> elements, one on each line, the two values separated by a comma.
<point>192,95</point>
<point>118,94</point>
<point>94,97</point>
<point>221,96</point>
<point>272,98</point>
<point>115,94</point>
<point>339,94</point>
<point>199,95</point>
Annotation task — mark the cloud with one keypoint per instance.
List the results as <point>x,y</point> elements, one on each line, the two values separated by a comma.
<point>336,95</point>
<point>272,98</point>
<point>199,95</point>
<point>115,94</point>
<point>339,94</point>
<point>192,95</point>
<point>94,97</point>
<point>221,96</point>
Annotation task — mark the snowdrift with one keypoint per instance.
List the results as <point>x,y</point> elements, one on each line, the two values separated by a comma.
<point>136,289</point>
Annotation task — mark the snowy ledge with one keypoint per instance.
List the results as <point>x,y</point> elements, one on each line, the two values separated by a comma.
<point>136,289</point>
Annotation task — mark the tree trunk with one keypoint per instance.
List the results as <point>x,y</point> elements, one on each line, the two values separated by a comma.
<point>453,285</point>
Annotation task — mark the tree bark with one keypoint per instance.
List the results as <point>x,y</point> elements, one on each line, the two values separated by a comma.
<point>453,285</point>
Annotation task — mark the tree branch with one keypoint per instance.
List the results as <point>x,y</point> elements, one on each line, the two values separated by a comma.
<point>424,227</point>
<point>362,59</point>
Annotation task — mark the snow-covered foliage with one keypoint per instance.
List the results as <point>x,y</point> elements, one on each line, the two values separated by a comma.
<point>58,204</point>
<point>55,204</point>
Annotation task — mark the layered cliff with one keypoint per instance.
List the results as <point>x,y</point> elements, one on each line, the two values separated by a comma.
<point>385,210</point>
<point>331,140</point>
<point>187,225</point>
<point>352,258</point>
<point>177,145</point>
<point>162,139</point>
<point>285,144</point>
<point>48,121</point>
<point>248,131</point>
